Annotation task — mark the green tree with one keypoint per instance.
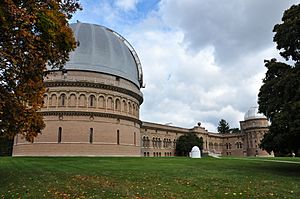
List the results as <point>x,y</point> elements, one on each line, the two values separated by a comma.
<point>34,34</point>
<point>185,143</point>
<point>279,96</point>
<point>235,130</point>
<point>223,127</point>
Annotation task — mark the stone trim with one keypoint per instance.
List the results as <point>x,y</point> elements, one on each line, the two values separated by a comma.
<point>94,114</point>
<point>87,143</point>
<point>95,85</point>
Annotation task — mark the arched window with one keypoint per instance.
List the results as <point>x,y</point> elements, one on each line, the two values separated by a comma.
<point>72,100</point>
<point>124,106</point>
<point>82,100</point>
<point>92,100</point>
<point>130,108</point>
<point>133,109</point>
<point>59,135</point>
<point>118,137</point>
<point>118,105</point>
<point>110,104</point>
<point>159,143</point>
<point>101,102</point>
<point>62,101</point>
<point>148,142</point>
<point>137,110</point>
<point>144,141</point>
<point>91,135</point>
<point>53,100</point>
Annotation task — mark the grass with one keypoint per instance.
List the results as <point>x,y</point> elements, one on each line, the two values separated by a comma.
<point>84,177</point>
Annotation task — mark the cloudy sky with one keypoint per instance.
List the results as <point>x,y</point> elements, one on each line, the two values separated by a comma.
<point>202,60</point>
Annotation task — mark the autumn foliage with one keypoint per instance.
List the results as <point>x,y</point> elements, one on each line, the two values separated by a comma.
<point>34,35</point>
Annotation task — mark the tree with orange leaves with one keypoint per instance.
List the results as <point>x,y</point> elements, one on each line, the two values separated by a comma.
<point>34,35</point>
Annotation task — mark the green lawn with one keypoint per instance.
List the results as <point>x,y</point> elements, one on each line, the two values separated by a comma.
<point>79,177</point>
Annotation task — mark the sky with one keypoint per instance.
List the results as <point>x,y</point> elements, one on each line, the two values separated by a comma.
<point>202,60</point>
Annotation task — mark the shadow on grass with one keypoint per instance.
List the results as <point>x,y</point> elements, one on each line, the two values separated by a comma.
<point>285,169</point>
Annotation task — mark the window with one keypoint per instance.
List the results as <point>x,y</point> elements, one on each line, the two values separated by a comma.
<point>91,135</point>
<point>63,100</point>
<point>92,101</point>
<point>159,143</point>
<point>124,106</point>
<point>148,142</point>
<point>143,141</point>
<point>72,100</point>
<point>118,137</point>
<point>82,100</point>
<point>101,102</point>
<point>118,105</point>
<point>53,100</point>
<point>130,108</point>
<point>59,135</point>
<point>110,104</point>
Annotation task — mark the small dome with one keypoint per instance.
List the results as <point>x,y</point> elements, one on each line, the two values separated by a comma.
<point>252,113</point>
<point>103,50</point>
<point>195,149</point>
<point>195,153</point>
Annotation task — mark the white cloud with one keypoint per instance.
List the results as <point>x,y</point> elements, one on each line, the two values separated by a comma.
<point>202,60</point>
<point>126,5</point>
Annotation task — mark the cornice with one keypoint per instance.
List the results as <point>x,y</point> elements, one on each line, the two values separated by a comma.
<point>91,114</point>
<point>258,128</point>
<point>94,85</point>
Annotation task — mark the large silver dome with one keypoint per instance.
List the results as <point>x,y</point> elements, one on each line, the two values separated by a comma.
<point>252,113</point>
<point>103,50</point>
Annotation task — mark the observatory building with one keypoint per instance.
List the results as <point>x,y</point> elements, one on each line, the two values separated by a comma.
<point>91,108</point>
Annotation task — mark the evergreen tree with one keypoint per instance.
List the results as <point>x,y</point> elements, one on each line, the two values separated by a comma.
<point>223,127</point>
